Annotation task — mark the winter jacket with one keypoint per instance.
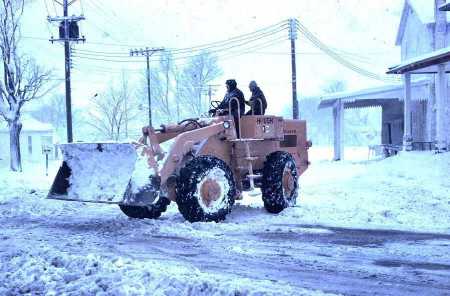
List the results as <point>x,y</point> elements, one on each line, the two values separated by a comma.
<point>234,93</point>
<point>254,103</point>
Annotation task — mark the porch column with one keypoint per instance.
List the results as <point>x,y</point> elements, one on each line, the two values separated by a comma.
<point>338,116</point>
<point>407,134</point>
<point>441,97</point>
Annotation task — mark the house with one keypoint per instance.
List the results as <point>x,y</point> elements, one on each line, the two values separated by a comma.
<point>423,30</point>
<point>34,137</point>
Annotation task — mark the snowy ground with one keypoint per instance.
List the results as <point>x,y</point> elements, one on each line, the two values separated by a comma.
<point>346,235</point>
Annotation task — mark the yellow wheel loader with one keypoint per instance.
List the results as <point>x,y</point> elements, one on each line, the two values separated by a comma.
<point>208,166</point>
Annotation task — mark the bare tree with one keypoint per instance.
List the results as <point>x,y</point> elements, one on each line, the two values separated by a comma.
<point>334,86</point>
<point>161,89</point>
<point>162,80</point>
<point>52,110</point>
<point>113,111</point>
<point>193,81</point>
<point>176,91</point>
<point>167,71</point>
<point>22,81</point>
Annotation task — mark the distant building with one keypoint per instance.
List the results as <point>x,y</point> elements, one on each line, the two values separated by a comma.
<point>423,30</point>
<point>35,136</point>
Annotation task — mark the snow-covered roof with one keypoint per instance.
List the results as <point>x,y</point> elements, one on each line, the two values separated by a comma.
<point>375,96</point>
<point>425,63</point>
<point>424,9</point>
<point>29,124</point>
<point>445,7</point>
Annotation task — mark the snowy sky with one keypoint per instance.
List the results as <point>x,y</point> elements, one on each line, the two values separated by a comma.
<point>364,29</point>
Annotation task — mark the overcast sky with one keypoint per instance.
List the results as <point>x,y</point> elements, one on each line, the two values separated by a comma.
<point>364,29</point>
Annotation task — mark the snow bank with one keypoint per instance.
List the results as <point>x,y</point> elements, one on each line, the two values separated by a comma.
<point>410,191</point>
<point>50,272</point>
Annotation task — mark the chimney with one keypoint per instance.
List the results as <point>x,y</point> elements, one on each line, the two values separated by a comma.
<point>440,29</point>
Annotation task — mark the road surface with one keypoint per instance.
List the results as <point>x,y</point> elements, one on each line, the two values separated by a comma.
<point>335,260</point>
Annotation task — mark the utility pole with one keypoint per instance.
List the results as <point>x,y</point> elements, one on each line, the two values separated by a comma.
<point>209,94</point>
<point>212,88</point>
<point>293,37</point>
<point>147,52</point>
<point>68,32</point>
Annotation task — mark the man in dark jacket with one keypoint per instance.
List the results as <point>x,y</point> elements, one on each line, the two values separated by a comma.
<point>256,100</point>
<point>223,108</point>
<point>232,92</point>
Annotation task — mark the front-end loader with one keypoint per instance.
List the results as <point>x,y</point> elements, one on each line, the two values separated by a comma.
<point>209,165</point>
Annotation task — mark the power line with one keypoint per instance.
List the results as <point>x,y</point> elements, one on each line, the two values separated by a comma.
<point>181,53</point>
<point>110,58</point>
<point>220,56</point>
<point>77,55</point>
<point>253,48</point>
<point>319,44</point>
<point>350,54</point>
<point>111,18</point>
<point>198,47</point>
<point>48,14</point>
<point>101,30</point>
<point>238,42</point>
<point>281,26</point>
<point>337,57</point>
<point>103,53</point>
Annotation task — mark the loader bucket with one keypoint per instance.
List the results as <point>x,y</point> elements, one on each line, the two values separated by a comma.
<point>94,172</point>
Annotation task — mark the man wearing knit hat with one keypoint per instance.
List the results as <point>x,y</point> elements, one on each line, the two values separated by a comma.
<point>256,100</point>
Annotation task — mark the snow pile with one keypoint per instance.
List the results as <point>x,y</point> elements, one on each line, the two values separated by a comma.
<point>23,194</point>
<point>100,172</point>
<point>410,191</point>
<point>51,272</point>
<point>58,247</point>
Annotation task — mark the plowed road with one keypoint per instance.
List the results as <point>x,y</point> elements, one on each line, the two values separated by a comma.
<point>337,260</point>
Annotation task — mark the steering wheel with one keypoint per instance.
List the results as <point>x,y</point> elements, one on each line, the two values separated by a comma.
<point>215,104</point>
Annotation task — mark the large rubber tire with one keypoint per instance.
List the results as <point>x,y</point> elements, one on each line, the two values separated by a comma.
<point>276,195</point>
<point>190,193</point>
<point>151,211</point>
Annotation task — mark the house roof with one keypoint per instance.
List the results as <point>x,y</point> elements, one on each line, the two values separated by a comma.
<point>377,96</point>
<point>29,124</point>
<point>445,7</point>
<point>423,64</point>
<point>424,9</point>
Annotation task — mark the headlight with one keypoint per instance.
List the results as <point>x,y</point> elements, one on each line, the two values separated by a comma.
<point>226,124</point>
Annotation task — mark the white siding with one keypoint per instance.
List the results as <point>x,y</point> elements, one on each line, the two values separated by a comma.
<point>37,143</point>
<point>417,37</point>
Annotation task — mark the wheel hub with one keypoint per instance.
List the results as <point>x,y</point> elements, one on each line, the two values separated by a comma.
<point>210,191</point>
